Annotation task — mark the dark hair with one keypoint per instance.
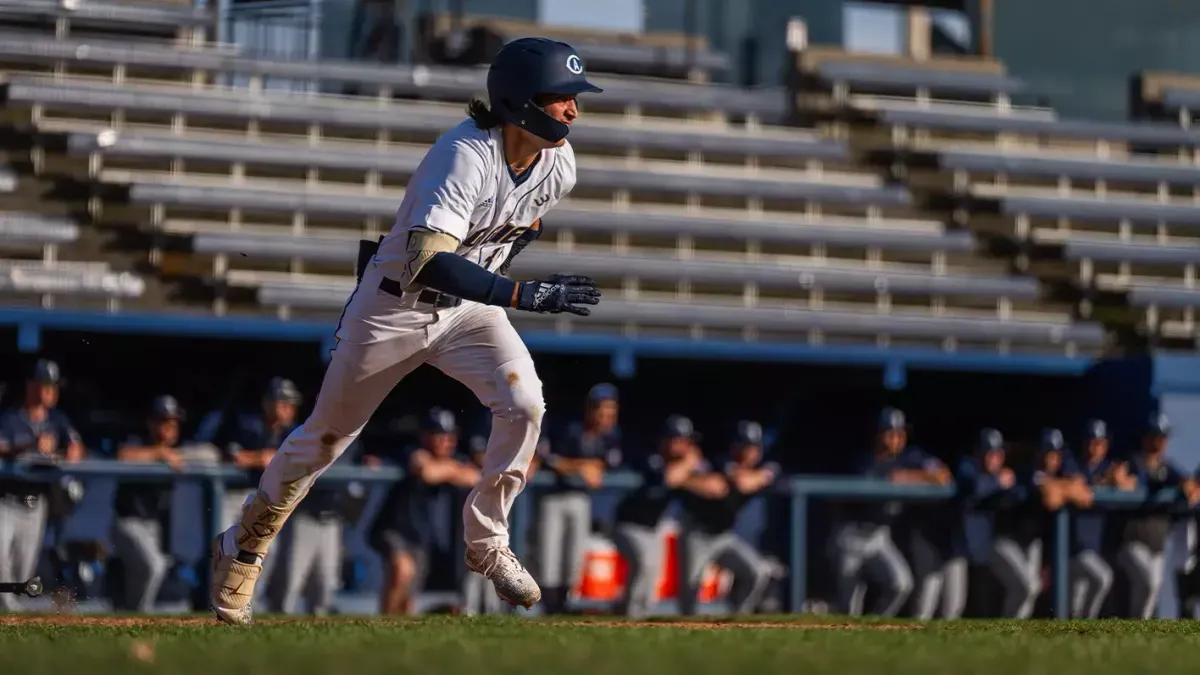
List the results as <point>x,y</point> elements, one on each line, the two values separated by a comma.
<point>479,110</point>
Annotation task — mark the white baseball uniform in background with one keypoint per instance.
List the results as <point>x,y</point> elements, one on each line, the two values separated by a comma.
<point>463,188</point>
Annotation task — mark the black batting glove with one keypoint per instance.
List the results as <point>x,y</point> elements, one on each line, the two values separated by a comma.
<point>559,293</point>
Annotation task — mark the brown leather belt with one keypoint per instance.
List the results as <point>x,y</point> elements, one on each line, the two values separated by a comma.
<point>426,297</point>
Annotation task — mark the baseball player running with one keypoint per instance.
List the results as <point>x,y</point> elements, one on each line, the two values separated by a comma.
<point>434,291</point>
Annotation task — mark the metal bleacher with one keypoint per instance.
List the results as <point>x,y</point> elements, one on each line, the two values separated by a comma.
<point>704,210</point>
<point>83,17</point>
<point>1105,214</point>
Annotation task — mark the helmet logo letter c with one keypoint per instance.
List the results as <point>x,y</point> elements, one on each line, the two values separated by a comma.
<point>574,64</point>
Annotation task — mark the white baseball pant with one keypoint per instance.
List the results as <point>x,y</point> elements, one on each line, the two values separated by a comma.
<point>380,340</point>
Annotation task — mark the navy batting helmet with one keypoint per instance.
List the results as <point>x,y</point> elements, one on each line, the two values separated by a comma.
<point>529,67</point>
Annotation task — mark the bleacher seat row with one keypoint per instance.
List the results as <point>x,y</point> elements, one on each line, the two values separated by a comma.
<point>613,174</point>
<point>663,268</point>
<point>437,82</point>
<point>786,320</point>
<point>30,229</point>
<point>427,118</point>
<point>730,223</point>
<point>114,14</point>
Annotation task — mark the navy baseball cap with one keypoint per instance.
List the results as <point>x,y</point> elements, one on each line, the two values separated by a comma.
<point>678,426</point>
<point>602,392</point>
<point>282,389</point>
<point>749,433</point>
<point>46,371</point>
<point>1095,429</point>
<point>991,439</point>
<point>440,421</point>
<point>1159,425</point>
<point>891,419</point>
<point>167,408</point>
<point>1052,439</point>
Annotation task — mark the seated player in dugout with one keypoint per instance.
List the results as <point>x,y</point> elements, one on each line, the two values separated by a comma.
<point>1143,533</point>
<point>863,546</point>
<point>414,528</point>
<point>585,449</point>
<point>1052,482</point>
<point>708,535</point>
<point>677,466</point>
<point>142,526</point>
<point>923,530</point>
<point>36,431</point>
<point>1091,575</point>
<point>985,484</point>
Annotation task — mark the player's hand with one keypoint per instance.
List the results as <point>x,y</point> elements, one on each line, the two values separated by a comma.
<point>1007,478</point>
<point>45,444</point>
<point>592,475</point>
<point>559,293</point>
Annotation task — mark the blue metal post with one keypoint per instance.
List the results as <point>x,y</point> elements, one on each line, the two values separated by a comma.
<point>798,562</point>
<point>214,493</point>
<point>1060,564</point>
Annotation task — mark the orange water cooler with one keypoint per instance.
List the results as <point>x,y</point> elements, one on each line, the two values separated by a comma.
<point>605,572</point>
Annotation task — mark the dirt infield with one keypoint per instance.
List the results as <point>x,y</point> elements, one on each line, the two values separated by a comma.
<point>172,621</point>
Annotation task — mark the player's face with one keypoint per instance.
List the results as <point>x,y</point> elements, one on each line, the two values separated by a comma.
<point>1098,449</point>
<point>1156,445</point>
<point>602,416</point>
<point>894,440</point>
<point>43,394</point>
<point>442,444</point>
<point>747,454</point>
<point>993,461</point>
<point>283,412</point>
<point>561,107</point>
<point>678,447</point>
<point>165,431</point>
<point>1052,461</point>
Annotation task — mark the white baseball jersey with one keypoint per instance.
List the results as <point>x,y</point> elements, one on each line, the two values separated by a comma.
<point>465,188</point>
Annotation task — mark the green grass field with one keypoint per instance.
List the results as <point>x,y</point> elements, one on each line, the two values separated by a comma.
<point>456,645</point>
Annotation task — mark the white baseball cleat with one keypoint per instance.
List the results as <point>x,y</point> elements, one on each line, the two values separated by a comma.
<point>513,583</point>
<point>231,585</point>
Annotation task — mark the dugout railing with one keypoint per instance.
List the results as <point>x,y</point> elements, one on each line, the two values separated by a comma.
<point>798,490</point>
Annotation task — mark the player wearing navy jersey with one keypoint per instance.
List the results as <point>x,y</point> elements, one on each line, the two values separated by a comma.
<point>435,292</point>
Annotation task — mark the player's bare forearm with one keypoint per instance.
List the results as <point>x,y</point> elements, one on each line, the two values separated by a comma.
<point>712,486</point>
<point>749,481</point>
<point>252,459</point>
<point>1053,495</point>
<point>575,465</point>
<point>436,471</point>
<point>677,472</point>
<point>140,454</point>
<point>921,476</point>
